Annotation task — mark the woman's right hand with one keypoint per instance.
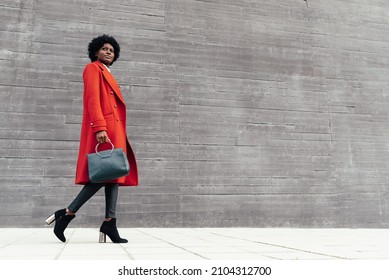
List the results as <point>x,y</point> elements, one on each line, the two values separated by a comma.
<point>102,137</point>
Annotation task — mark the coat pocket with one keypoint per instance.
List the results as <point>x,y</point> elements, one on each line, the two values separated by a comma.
<point>109,118</point>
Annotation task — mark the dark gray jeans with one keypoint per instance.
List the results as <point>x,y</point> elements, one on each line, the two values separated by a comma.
<point>89,190</point>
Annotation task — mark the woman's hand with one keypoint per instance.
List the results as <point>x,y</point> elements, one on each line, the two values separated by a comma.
<point>102,137</point>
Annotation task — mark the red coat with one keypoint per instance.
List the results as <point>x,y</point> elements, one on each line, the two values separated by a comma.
<point>104,109</point>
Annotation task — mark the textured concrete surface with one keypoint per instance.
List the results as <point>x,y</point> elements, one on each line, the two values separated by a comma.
<point>198,244</point>
<point>241,113</point>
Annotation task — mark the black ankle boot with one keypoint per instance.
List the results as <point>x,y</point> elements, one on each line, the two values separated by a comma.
<point>109,228</point>
<point>55,216</point>
<point>60,226</point>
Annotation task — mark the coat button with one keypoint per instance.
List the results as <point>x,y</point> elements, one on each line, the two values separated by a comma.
<point>91,123</point>
<point>114,106</point>
<point>111,92</point>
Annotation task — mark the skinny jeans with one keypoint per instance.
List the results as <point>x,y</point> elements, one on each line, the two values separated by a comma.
<point>90,189</point>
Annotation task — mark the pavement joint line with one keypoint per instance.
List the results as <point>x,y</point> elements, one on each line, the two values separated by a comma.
<point>19,239</point>
<point>127,252</point>
<point>283,246</point>
<point>64,245</point>
<point>174,245</point>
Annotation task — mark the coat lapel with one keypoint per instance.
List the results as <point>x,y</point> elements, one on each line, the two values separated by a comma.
<point>110,80</point>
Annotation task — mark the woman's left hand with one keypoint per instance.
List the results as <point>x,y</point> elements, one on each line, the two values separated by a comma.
<point>102,137</point>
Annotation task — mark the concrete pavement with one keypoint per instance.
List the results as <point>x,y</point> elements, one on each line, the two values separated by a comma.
<point>197,244</point>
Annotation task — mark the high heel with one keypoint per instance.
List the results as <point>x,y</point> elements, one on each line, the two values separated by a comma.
<point>109,228</point>
<point>61,224</point>
<point>55,216</point>
<point>102,238</point>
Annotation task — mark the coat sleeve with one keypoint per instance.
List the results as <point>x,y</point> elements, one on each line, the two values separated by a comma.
<point>92,101</point>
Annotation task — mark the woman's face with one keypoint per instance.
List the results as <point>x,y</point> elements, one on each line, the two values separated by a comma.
<point>106,54</point>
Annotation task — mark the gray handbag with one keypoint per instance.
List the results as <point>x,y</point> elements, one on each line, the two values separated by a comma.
<point>107,165</point>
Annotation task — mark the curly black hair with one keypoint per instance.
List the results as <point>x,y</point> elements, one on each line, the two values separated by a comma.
<point>96,44</point>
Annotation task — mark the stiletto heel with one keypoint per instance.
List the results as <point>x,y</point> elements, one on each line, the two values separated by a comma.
<point>50,219</point>
<point>103,237</point>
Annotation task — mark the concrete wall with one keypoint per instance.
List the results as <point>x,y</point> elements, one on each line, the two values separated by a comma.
<point>241,113</point>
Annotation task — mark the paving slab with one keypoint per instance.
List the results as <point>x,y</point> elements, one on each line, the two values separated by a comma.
<point>197,244</point>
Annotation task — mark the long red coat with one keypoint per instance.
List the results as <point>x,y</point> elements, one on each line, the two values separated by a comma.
<point>104,109</point>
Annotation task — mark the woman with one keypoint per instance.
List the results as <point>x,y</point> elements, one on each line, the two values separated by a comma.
<point>104,120</point>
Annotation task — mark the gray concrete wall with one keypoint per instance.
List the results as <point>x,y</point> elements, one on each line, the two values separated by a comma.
<point>241,113</point>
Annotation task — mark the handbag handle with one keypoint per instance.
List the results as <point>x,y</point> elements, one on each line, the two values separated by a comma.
<point>113,147</point>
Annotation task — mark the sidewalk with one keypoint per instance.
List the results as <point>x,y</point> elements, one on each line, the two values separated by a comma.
<point>197,244</point>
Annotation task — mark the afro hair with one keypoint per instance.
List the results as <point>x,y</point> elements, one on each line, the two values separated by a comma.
<point>97,43</point>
